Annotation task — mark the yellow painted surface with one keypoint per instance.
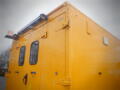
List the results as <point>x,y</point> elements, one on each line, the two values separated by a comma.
<point>72,55</point>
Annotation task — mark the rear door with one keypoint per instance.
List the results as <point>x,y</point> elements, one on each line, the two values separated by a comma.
<point>16,79</point>
<point>34,67</point>
<point>20,73</point>
<point>47,63</point>
<point>47,60</point>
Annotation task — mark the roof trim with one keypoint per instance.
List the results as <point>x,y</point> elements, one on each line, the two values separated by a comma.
<point>38,20</point>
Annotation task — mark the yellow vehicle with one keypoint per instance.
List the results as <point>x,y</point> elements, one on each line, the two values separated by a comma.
<point>64,50</point>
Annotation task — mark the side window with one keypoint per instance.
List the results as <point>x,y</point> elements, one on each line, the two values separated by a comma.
<point>34,52</point>
<point>22,56</point>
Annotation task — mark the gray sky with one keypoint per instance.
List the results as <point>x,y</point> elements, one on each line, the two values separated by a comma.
<point>15,14</point>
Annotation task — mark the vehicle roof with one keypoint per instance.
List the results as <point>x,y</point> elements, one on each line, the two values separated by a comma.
<point>38,20</point>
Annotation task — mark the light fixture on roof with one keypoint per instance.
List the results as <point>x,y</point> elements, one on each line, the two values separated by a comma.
<point>43,17</point>
<point>11,35</point>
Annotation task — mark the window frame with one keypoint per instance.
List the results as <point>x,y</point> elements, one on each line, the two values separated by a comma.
<point>37,53</point>
<point>23,57</point>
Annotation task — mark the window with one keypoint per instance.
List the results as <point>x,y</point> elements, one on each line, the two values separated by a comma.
<point>22,56</point>
<point>34,52</point>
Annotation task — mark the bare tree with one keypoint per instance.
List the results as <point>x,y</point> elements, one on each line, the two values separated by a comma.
<point>4,56</point>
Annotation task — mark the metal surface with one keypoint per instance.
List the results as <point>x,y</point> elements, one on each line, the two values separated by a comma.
<point>72,56</point>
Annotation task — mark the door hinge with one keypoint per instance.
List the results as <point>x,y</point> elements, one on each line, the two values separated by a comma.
<point>45,35</point>
<point>65,27</point>
<point>64,83</point>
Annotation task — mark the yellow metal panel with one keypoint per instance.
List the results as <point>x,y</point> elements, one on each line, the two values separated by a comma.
<point>93,65</point>
<point>75,54</point>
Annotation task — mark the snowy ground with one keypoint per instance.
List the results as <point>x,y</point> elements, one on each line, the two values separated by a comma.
<point>2,83</point>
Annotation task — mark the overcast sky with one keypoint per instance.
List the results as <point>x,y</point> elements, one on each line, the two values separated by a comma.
<point>15,14</point>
